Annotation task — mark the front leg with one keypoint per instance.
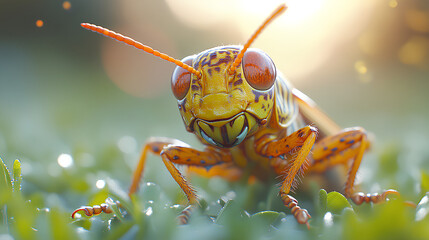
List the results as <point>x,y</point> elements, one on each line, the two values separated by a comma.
<point>191,157</point>
<point>177,152</point>
<point>172,152</point>
<point>297,146</point>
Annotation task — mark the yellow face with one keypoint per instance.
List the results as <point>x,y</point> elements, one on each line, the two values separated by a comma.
<point>221,108</point>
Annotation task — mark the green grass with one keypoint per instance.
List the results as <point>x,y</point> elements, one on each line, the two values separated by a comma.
<point>227,210</point>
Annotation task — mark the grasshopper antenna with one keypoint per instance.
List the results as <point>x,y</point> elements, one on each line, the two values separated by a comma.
<point>121,38</point>
<point>239,57</point>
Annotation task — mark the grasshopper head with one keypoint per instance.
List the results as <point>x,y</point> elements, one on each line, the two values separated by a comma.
<point>223,108</point>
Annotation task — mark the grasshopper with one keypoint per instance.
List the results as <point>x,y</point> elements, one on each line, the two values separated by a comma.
<point>238,104</point>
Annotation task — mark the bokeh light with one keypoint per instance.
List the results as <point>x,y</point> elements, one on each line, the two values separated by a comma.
<point>360,67</point>
<point>363,74</point>
<point>127,144</point>
<point>66,5</point>
<point>39,23</point>
<point>393,3</point>
<point>100,184</point>
<point>149,211</point>
<point>418,20</point>
<point>415,51</point>
<point>65,160</point>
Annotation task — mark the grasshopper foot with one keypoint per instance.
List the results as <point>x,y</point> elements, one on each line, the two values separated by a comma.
<point>94,210</point>
<point>301,215</point>
<point>359,198</point>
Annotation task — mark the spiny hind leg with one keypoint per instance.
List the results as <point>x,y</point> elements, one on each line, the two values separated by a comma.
<point>349,144</point>
<point>298,145</point>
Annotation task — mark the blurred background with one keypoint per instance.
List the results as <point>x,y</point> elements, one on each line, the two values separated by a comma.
<point>76,107</point>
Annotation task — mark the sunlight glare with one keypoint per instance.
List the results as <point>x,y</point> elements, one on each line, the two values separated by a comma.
<point>301,10</point>
<point>299,41</point>
<point>308,34</point>
<point>201,14</point>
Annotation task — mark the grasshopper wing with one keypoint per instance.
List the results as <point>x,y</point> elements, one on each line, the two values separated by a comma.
<point>313,115</point>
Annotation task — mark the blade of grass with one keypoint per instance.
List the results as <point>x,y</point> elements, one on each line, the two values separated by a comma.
<point>17,178</point>
<point>7,183</point>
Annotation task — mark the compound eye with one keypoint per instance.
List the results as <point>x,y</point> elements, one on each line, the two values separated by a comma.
<point>259,69</point>
<point>181,79</point>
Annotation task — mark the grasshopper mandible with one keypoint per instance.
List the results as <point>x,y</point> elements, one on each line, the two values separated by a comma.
<point>234,99</point>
